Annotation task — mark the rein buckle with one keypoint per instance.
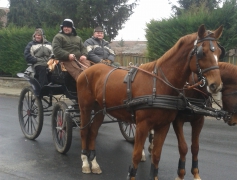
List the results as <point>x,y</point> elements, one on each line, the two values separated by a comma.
<point>203,80</point>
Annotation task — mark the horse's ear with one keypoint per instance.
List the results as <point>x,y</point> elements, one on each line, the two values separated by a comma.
<point>201,31</point>
<point>218,32</point>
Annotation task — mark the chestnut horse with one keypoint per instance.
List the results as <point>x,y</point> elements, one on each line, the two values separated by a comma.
<point>229,101</point>
<point>101,88</point>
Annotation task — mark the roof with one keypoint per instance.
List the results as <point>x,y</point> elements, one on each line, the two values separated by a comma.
<point>129,47</point>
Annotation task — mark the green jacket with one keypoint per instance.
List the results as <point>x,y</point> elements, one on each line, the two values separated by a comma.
<point>64,44</point>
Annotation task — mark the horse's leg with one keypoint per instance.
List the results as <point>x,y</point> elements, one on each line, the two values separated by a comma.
<point>140,138</point>
<point>158,141</point>
<point>182,145</point>
<point>150,147</point>
<point>151,136</point>
<point>91,141</point>
<point>86,106</point>
<point>143,156</point>
<point>196,130</point>
<point>85,118</point>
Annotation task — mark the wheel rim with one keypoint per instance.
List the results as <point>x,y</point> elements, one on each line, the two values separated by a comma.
<point>30,113</point>
<point>129,130</point>
<point>60,129</point>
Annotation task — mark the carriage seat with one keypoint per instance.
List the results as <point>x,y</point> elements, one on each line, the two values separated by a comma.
<point>59,75</point>
<point>30,71</point>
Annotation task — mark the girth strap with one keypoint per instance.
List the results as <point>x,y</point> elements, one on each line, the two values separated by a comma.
<point>154,83</point>
<point>104,89</point>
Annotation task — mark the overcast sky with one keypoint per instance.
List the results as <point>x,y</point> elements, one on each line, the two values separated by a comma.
<point>143,13</point>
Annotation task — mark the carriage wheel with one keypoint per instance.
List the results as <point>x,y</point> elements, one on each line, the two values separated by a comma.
<point>128,131</point>
<point>61,127</point>
<point>30,113</point>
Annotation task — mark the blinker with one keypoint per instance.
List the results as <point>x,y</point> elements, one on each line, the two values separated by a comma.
<point>212,47</point>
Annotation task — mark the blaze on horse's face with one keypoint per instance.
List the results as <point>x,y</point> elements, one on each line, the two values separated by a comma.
<point>205,56</point>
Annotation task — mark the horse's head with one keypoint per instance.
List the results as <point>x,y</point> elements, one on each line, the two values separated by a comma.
<point>229,103</point>
<point>229,91</point>
<point>205,56</point>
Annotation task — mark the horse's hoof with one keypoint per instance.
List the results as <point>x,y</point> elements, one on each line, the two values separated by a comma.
<point>96,170</point>
<point>86,170</point>
<point>178,178</point>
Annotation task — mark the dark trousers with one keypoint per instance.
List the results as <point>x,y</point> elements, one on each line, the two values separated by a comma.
<point>41,74</point>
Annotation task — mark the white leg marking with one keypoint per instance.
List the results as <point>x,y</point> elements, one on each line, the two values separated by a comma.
<point>143,156</point>
<point>95,167</point>
<point>85,164</point>
<point>178,178</point>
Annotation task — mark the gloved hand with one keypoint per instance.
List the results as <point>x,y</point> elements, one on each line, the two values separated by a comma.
<point>106,61</point>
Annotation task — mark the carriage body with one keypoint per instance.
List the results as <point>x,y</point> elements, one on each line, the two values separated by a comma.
<point>56,100</point>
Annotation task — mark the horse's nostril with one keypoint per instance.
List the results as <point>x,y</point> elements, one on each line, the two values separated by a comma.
<point>212,87</point>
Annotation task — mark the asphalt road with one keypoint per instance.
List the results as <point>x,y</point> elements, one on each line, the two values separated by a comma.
<point>21,158</point>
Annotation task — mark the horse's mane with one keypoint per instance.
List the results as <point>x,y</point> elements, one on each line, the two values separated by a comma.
<point>173,50</point>
<point>177,46</point>
<point>227,67</point>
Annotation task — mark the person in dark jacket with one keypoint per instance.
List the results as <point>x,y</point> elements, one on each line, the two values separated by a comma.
<point>37,52</point>
<point>68,47</point>
<point>98,49</point>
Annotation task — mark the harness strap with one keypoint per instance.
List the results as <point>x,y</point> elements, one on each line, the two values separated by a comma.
<point>129,78</point>
<point>228,94</point>
<point>104,89</point>
<point>210,68</point>
<point>160,101</point>
<point>154,84</point>
<point>206,39</point>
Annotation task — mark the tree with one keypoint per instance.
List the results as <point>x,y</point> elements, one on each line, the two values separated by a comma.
<point>2,14</point>
<point>121,43</point>
<point>185,5</point>
<point>110,14</point>
<point>24,13</point>
<point>162,35</point>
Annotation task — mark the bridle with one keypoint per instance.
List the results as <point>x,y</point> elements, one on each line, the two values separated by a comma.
<point>198,52</point>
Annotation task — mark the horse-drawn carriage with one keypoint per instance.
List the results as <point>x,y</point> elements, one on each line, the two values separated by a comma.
<point>58,100</point>
<point>150,95</point>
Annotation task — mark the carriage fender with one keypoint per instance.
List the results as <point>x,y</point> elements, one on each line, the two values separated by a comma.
<point>33,82</point>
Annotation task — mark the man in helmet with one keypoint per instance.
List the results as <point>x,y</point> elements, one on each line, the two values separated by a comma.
<point>68,47</point>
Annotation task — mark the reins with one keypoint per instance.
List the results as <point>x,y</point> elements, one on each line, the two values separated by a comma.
<point>166,81</point>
